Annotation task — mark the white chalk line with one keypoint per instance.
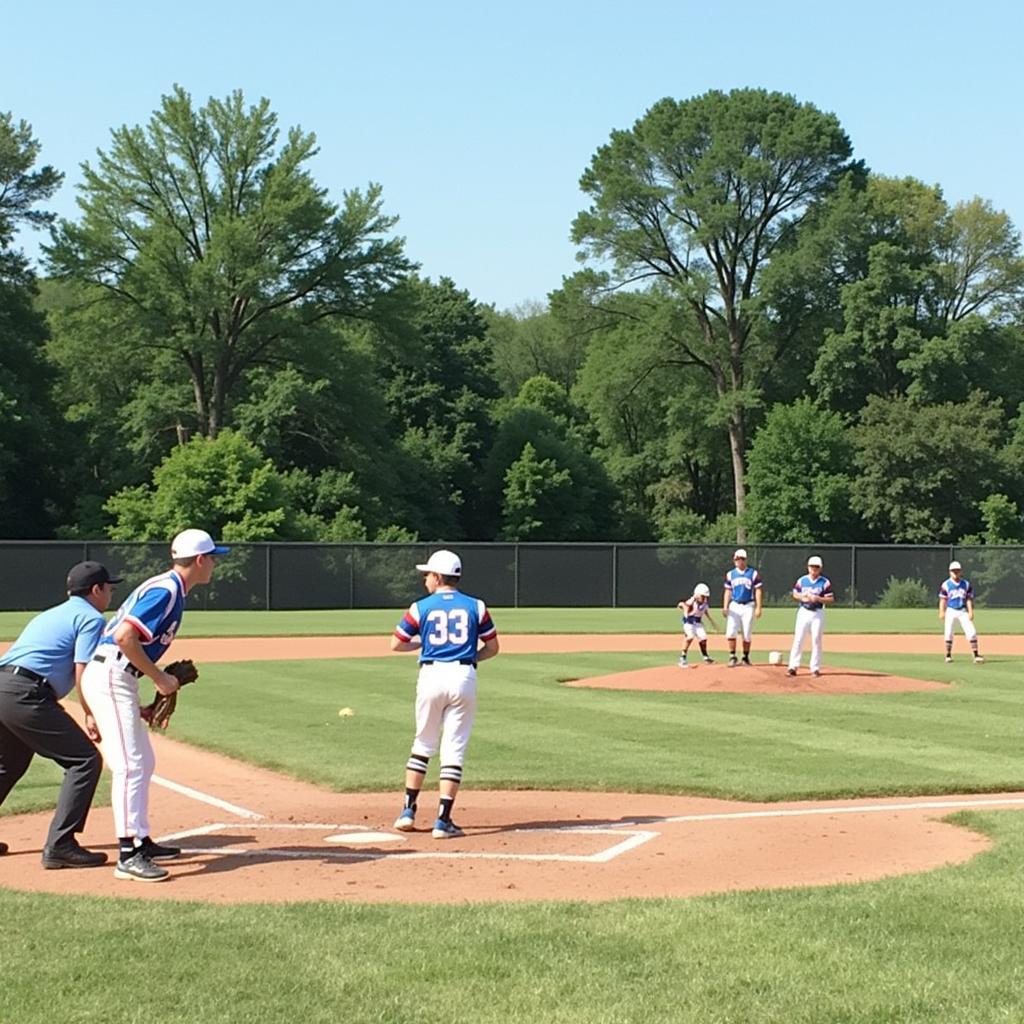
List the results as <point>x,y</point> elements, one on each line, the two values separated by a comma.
<point>205,798</point>
<point>930,805</point>
<point>633,839</point>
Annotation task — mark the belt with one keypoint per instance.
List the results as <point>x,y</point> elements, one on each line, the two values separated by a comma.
<point>462,661</point>
<point>17,670</point>
<point>734,601</point>
<point>127,666</point>
<point>813,607</point>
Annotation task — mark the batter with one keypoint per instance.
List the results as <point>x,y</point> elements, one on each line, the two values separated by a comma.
<point>451,626</point>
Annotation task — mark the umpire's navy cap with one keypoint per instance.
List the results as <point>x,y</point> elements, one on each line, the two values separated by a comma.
<point>86,575</point>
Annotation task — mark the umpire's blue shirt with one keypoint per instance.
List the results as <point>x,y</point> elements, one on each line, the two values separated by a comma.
<point>55,640</point>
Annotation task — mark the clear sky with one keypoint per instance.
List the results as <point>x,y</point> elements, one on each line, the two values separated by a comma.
<point>478,119</point>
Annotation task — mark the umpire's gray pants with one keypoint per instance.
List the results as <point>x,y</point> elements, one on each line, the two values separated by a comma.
<point>33,722</point>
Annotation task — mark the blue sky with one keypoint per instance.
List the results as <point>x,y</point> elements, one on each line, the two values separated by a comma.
<point>478,119</point>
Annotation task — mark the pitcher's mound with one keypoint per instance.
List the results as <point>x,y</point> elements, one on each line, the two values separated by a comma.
<point>760,679</point>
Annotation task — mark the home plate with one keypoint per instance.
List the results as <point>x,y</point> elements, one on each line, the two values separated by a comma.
<point>352,838</point>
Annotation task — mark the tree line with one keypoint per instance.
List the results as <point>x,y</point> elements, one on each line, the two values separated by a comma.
<point>765,341</point>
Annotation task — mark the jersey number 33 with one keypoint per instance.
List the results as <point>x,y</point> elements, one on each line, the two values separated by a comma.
<point>448,627</point>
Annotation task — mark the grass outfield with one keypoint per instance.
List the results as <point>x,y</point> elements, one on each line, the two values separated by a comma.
<point>373,622</point>
<point>938,947</point>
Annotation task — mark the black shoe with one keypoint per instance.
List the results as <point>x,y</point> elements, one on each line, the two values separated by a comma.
<point>154,851</point>
<point>790,671</point>
<point>3,848</point>
<point>732,661</point>
<point>746,661</point>
<point>72,857</point>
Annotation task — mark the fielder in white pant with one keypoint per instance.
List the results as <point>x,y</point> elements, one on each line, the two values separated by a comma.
<point>812,592</point>
<point>956,605</point>
<point>131,644</point>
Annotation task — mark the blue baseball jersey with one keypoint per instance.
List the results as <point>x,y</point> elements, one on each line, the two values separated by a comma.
<point>450,625</point>
<point>694,609</point>
<point>743,583</point>
<point>957,593</point>
<point>56,640</point>
<point>809,590</point>
<point>155,609</point>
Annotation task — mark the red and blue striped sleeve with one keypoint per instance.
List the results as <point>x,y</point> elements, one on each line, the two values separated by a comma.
<point>409,625</point>
<point>487,627</point>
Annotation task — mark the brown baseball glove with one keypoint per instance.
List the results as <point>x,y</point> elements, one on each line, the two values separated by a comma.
<point>158,714</point>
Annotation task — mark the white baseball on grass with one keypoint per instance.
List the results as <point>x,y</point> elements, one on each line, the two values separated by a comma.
<point>345,713</point>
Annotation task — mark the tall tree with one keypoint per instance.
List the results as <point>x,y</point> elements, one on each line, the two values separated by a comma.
<point>801,477</point>
<point>30,428</point>
<point>437,373</point>
<point>696,199</point>
<point>929,311</point>
<point>213,251</point>
<point>915,462</point>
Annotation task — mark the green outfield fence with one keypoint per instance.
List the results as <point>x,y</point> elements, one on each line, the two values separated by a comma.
<point>283,576</point>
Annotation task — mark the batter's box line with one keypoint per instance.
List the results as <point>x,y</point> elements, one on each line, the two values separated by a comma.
<point>633,840</point>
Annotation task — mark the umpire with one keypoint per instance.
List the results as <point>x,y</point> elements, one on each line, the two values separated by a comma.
<point>42,666</point>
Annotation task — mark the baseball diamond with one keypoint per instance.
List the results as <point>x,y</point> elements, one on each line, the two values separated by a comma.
<point>248,834</point>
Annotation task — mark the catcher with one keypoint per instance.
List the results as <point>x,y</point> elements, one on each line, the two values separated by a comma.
<point>134,640</point>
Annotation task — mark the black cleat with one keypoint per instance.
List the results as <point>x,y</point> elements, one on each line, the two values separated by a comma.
<point>154,851</point>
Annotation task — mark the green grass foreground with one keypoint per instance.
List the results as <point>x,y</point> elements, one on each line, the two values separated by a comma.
<point>380,622</point>
<point>936,948</point>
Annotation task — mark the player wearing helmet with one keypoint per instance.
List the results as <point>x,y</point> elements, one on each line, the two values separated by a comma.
<point>694,610</point>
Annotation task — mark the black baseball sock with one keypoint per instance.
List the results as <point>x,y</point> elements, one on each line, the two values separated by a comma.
<point>445,810</point>
<point>411,796</point>
<point>125,848</point>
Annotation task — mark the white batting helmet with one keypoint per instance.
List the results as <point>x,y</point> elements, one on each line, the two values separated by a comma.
<point>702,590</point>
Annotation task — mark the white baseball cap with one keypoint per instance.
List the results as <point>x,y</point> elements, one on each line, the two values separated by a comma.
<point>701,590</point>
<point>814,560</point>
<point>189,543</point>
<point>444,563</point>
<point>954,565</point>
<point>740,553</point>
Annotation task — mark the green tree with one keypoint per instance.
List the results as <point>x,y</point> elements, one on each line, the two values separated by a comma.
<point>585,510</point>
<point>929,313</point>
<point>536,498</point>
<point>438,382</point>
<point>532,341</point>
<point>658,435</point>
<point>209,250</point>
<point>915,463</point>
<point>698,197</point>
<point>31,433</point>
<point>226,483</point>
<point>800,478</point>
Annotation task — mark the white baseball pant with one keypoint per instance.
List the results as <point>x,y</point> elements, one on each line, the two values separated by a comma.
<point>695,631</point>
<point>445,709</point>
<point>113,696</point>
<point>813,622</point>
<point>954,615</point>
<point>739,619</point>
